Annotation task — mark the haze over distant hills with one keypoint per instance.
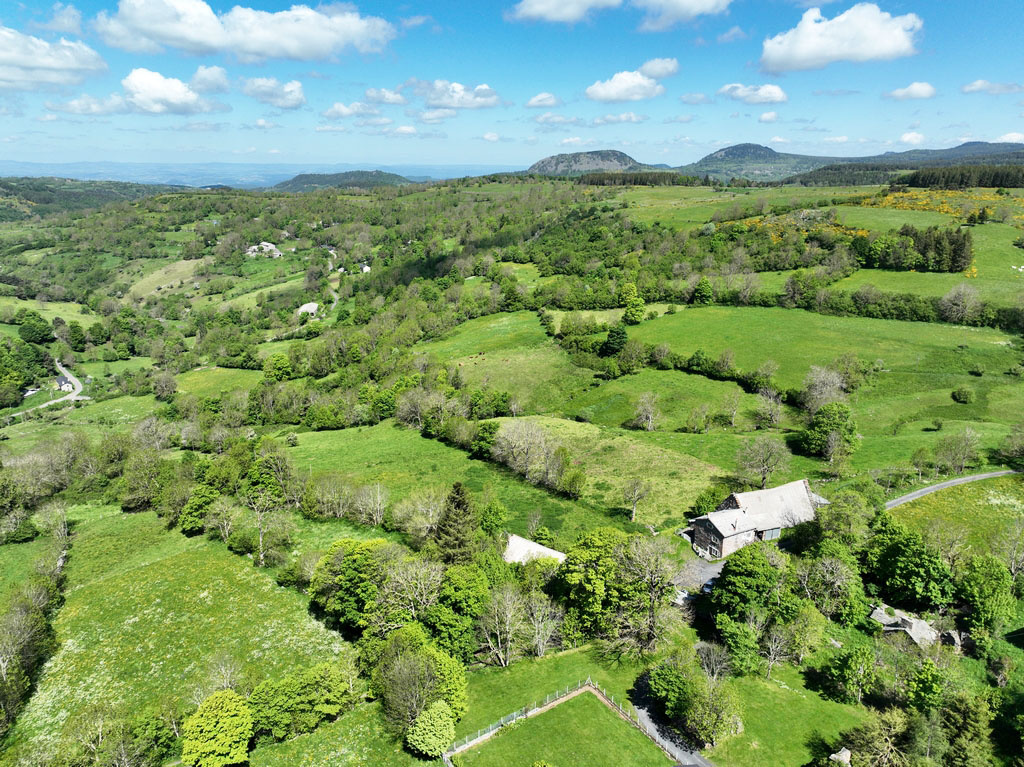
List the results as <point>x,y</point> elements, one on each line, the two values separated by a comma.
<point>353,179</point>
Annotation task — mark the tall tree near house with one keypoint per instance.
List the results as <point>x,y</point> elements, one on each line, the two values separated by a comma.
<point>504,623</point>
<point>762,457</point>
<point>648,575</point>
<point>456,530</point>
<point>635,491</point>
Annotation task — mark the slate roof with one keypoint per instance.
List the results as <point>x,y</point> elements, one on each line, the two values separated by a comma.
<point>777,507</point>
<point>522,550</point>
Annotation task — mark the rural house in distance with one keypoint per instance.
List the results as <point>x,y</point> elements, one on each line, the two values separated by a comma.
<point>759,515</point>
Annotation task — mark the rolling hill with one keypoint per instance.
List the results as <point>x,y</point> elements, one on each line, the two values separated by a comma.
<point>21,198</point>
<point>577,163</point>
<point>353,179</point>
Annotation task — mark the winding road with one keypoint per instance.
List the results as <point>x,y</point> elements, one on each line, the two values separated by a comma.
<point>943,485</point>
<point>73,395</point>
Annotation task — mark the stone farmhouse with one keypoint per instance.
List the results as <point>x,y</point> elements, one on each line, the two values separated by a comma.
<point>759,515</point>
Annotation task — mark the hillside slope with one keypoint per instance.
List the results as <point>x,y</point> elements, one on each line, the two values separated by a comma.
<point>353,179</point>
<point>585,162</point>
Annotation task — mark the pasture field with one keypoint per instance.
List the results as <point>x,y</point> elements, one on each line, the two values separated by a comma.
<point>67,311</point>
<point>876,219</point>
<point>212,381</point>
<point>403,462</point>
<point>167,276</point>
<point>985,510</point>
<point>580,732</point>
<point>996,259</point>
<point>688,207</point>
<point>101,369</point>
<point>511,352</point>
<point>16,561</point>
<point>781,717</point>
<point>147,612</point>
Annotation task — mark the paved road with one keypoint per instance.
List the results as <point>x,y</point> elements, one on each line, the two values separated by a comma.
<point>71,396</point>
<point>943,485</point>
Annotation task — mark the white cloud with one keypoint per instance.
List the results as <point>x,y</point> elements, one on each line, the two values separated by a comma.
<point>210,80</point>
<point>836,139</point>
<point>66,19</point>
<point>300,32</point>
<point>659,68</point>
<point>695,98</point>
<point>662,14</point>
<point>913,91</point>
<point>754,94</point>
<point>625,117</point>
<point>544,100</point>
<point>491,136</point>
<point>451,95</point>
<point>435,116</point>
<point>863,33</point>
<point>734,34</point>
<point>268,90</point>
<point>768,117</point>
<point>339,110</point>
<point>374,122</point>
<point>559,10</point>
<point>384,96</point>
<point>28,63</point>
<point>576,141</point>
<point>404,130</point>
<point>994,89</point>
<point>778,140</point>
<point>1011,138</point>
<point>412,22</point>
<point>678,119</point>
<point>262,124</point>
<point>90,105</point>
<point>145,92</point>
<point>912,137</point>
<point>625,86</point>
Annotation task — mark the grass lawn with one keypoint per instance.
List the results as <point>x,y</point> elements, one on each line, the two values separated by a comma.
<point>985,509</point>
<point>213,381</point>
<point>511,352</point>
<point>146,613</point>
<point>581,732</point>
<point>403,461</point>
<point>779,717</point>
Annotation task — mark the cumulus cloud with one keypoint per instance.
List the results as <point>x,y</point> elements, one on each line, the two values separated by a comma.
<point>90,105</point>
<point>269,90</point>
<point>491,136</point>
<point>66,19</point>
<point>863,33</point>
<point>300,32</point>
<point>151,92</point>
<point>577,141</point>
<point>754,94</point>
<point>662,14</point>
<point>29,63</point>
<point>384,96</point>
<point>339,110</point>
<point>559,10</point>
<point>544,100</point>
<point>994,89</point>
<point>734,34</point>
<point>768,117</point>
<point>913,91</point>
<point>404,130</point>
<point>778,140</point>
<point>912,137</point>
<point>625,117</point>
<point>659,68</point>
<point>443,94</point>
<point>210,80</point>
<point>1011,138</point>
<point>695,98</point>
<point>625,86</point>
<point>435,116</point>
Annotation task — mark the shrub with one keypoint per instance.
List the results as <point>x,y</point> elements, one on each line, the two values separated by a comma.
<point>964,395</point>
<point>218,733</point>
<point>433,731</point>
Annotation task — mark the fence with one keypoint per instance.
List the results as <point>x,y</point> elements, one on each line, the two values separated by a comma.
<point>627,712</point>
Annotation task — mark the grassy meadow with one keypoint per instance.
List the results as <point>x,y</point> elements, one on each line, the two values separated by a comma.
<point>147,613</point>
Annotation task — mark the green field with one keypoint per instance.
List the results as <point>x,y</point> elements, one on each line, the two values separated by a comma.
<point>147,611</point>
<point>511,352</point>
<point>986,510</point>
<point>101,369</point>
<point>47,309</point>
<point>686,207</point>
<point>580,732</point>
<point>213,381</point>
<point>167,277</point>
<point>16,561</point>
<point>886,219</point>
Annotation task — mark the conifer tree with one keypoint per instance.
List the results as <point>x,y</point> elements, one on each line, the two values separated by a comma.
<point>456,529</point>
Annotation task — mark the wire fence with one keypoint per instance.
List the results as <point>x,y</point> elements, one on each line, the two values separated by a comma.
<point>628,712</point>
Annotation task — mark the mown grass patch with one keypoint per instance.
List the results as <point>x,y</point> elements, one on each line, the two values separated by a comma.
<point>986,510</point>
<point>213,381</point>
<point>511,352</point>
<point>146,613</point>
<point>580,732</point>
<point>780,718</point>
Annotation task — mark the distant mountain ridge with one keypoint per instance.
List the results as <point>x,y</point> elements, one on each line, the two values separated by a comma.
<point>353,179</point>
<point>762,163</point>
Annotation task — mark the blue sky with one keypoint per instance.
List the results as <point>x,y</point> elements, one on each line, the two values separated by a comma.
<point>501,83</point>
